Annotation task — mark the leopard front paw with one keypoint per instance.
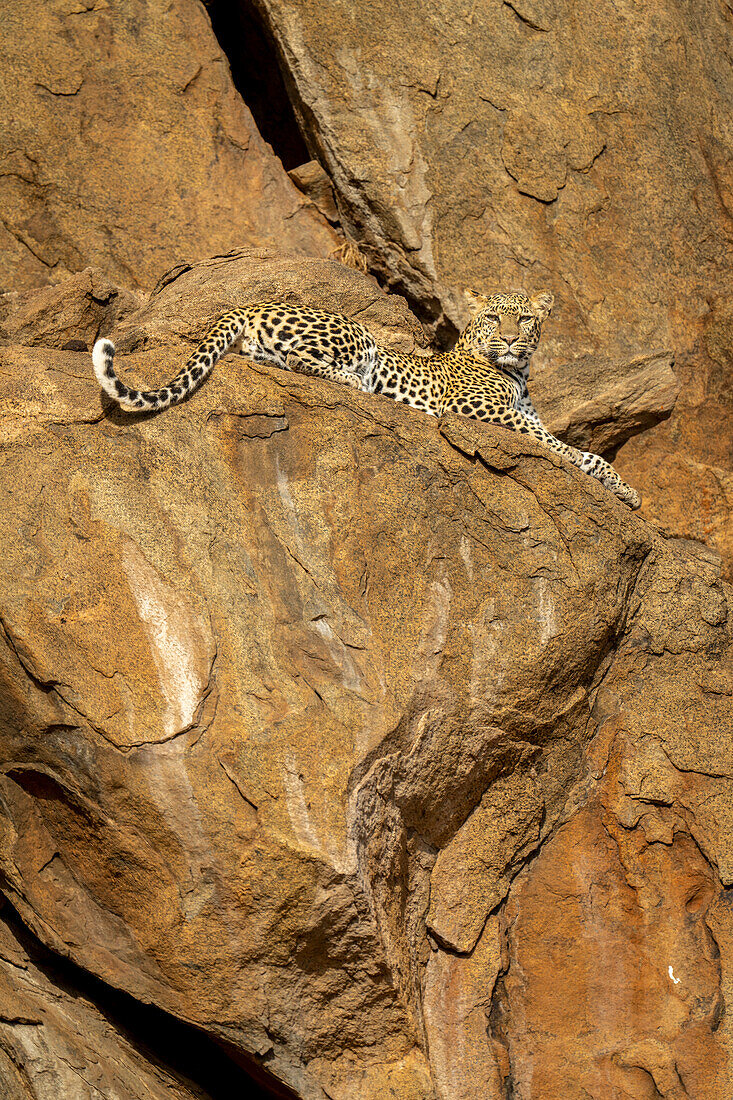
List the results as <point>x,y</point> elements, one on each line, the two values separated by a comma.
<point>632,498</point>
<point>624,493</point>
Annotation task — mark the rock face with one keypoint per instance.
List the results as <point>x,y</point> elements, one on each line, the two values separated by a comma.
<point>191,298</point>
<point>70,315</point>
<point>586,148</point>
<point>123,144</point>
<point>63,1036</point>
<point>583,146</point>
<point>54,1044</point>
<point>346,754</point>
<point>394,755</point>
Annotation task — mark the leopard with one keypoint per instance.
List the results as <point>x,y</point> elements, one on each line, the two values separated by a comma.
<point>485,376</point>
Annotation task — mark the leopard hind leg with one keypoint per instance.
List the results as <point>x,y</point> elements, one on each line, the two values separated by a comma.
<point>305,362</point>
<point>300,360</point>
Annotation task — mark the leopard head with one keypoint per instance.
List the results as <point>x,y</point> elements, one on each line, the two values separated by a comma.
<point>505,328</point>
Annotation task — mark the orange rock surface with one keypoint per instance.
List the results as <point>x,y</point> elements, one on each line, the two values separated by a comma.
<point>586,146</point>
<point>346,754</point>
<point>124,145</point>
<point>395,755</point>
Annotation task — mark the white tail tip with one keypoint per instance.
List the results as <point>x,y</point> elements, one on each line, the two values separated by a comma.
<point>103,354</point>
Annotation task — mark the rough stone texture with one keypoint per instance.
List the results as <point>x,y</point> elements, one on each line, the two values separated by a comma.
<point>191,298</point>
<point>602,403</point>
<point>55,1045</point>
<point>313,182</point>
<point>70,315</point>
<point>396,754</point>
<point>65,1036</point>
<point>123,144</point>
<point>586,147</point>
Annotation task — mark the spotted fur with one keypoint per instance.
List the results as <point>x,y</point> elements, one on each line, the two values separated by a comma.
<point>485,376</point>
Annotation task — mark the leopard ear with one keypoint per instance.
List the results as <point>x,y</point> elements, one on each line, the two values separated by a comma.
<point>543,303</point>
<point>476,302</point>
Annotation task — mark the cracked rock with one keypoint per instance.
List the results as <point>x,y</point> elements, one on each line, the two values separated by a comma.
<point>577,146</point>
<point>393,755</point>
<point>124,145</point>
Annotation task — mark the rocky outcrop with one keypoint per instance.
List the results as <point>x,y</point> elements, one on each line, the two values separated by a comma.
<point>580,146</point>
<point>192,297</point>
<point>476,144</point>
<point>519,145</point>
<point>70,315</point>
<point>603,402</point>
<point>124,145</point>
<point>64,1035</point>
<point>55,1044</point>
<point>394,755</point>
<point>344,753</point>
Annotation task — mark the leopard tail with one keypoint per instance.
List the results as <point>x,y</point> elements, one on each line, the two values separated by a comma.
<point>219,340</point>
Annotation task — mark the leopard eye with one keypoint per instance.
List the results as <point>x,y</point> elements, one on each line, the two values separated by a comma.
<point>526,319</point>
<point>493,317</point>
